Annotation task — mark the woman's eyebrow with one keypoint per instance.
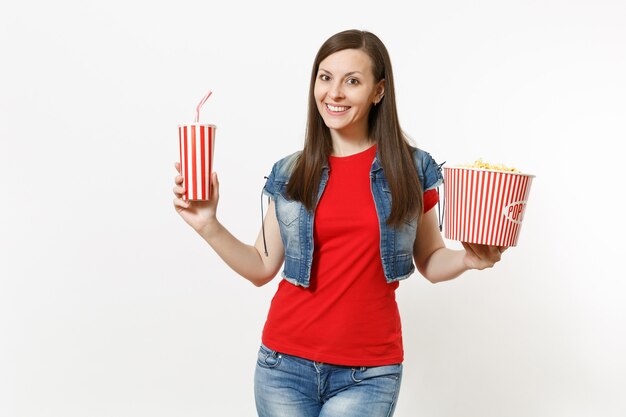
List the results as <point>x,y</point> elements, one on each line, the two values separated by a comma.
<point>346,74</point>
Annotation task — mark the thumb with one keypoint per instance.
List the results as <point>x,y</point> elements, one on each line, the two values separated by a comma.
<point>215,183</point>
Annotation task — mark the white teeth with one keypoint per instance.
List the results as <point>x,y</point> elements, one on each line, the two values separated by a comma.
<point>337,108</point>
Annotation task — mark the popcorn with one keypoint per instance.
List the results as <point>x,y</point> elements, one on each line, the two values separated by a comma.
<point>479,163</point>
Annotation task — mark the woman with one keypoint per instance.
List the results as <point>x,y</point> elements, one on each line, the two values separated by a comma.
<point>348,216</point>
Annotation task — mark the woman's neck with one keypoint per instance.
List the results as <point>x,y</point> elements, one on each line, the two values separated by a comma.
<point>346,144</point>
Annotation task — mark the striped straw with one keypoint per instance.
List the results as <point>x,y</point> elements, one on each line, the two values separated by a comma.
<point>201,104</point>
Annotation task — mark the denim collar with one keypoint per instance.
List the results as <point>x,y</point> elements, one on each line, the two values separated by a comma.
<point>376,165</point>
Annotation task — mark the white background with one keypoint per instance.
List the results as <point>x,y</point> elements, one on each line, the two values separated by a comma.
<point>110,305</point>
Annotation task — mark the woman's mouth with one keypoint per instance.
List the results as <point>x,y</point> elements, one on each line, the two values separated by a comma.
<point>335,110</point>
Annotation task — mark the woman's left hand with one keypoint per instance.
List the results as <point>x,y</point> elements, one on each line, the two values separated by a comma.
<point>481,256</point>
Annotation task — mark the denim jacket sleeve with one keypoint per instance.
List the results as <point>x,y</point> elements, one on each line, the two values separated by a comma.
<point>270,187</point>
<point>428,170</point>
<point>279,176</point>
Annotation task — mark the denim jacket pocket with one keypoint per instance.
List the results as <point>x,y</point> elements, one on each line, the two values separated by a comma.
<point>287,211</point>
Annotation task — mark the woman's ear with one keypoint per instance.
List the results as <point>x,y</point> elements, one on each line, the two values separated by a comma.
<point>380,91</point>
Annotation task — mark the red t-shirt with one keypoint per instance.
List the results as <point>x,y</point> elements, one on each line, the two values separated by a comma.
<point>348,315</point>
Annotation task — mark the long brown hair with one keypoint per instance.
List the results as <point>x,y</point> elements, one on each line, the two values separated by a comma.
<point>383,126</point>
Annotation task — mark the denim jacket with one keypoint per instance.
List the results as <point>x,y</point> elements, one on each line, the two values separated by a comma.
<point>296,222</point>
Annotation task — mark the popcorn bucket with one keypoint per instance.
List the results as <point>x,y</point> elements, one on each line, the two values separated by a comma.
<point>196,143</point>
<point>484,206</point>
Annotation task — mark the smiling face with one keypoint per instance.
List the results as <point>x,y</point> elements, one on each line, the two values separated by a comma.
<point>345,91</point>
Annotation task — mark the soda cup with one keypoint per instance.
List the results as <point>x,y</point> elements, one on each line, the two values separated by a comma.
<point>197,146</point>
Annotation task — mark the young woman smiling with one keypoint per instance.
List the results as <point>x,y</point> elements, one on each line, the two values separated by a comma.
<point>349,217</point>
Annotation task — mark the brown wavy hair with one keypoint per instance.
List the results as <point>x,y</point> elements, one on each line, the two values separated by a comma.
<point>383,127</point>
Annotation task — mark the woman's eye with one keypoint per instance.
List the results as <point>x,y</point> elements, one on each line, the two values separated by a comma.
<point>352,81</point>
<point>324,77</point>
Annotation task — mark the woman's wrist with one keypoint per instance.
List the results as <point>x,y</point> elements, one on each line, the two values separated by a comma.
<point>457,265</point>
<point>462,261</point>
<point>210,229</point>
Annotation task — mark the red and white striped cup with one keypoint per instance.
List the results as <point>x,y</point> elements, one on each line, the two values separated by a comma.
<point>484,206</point>
<point>197,145</point>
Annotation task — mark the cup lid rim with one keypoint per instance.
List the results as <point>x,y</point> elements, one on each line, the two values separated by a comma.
<point>197,124</point>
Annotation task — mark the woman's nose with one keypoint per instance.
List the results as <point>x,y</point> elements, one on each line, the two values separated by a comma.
<point>336,91</point>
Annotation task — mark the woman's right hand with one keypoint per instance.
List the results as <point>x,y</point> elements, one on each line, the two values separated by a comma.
<point>200,215</point>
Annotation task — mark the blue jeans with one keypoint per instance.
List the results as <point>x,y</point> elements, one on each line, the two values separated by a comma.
<point>290,386</point>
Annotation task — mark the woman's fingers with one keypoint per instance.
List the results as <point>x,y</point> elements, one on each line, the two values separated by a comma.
<point>215,186</point>
<point>491,252</point>
<point>178,179</point>
<point>178,191</point>
<point>179,202</point>
<point>179,188</point>
<point>469,249</point>
<point>486,251</point>
<point>483,256</point>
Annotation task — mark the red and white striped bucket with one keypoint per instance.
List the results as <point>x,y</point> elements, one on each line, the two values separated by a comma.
<point>197,145</point>
<point>484,206</point>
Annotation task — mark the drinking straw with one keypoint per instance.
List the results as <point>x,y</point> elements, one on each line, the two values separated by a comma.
<point>204,99</point>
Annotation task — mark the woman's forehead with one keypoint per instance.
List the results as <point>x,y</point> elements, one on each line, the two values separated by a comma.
<point>346,61</point>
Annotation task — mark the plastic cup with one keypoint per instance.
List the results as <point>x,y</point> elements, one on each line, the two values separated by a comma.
<point>197,145</point>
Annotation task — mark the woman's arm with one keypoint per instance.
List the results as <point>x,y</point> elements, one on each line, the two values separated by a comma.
<point>249,261</point>
<point>438,263</point>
